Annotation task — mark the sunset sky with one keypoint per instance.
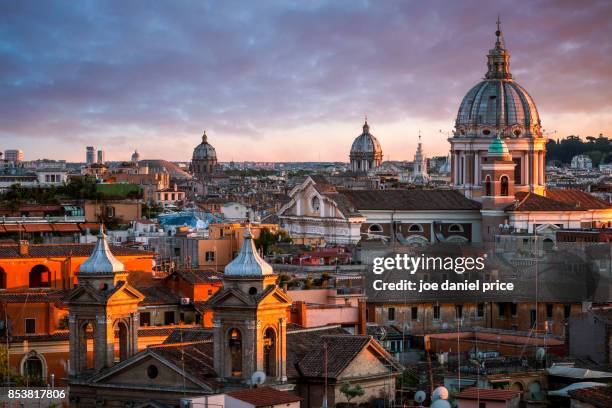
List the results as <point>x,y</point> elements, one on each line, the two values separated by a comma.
<point>284,80</point>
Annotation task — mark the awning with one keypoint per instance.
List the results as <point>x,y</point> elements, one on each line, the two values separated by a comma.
<point>65,227</point>
<point>37,227</point>
<point>91,225</point>
<point>13,228</point>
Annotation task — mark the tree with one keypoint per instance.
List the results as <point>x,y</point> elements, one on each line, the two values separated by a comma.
<point>351,392</point>
<point>267,239</point>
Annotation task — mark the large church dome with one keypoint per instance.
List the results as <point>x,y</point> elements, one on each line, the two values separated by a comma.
<point>498,105</point>
<point>204,150</point>
<point>366,143</point>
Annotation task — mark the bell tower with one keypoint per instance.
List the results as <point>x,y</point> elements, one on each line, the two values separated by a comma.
<point>250,319</point>
<point>103,306</point>
<point>497,186</point>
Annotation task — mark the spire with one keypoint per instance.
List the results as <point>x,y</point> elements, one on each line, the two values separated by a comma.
<point>498,59</point>
<point>101,259</point>
<point>248,262</point>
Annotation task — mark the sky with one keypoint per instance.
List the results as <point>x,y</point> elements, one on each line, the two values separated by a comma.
<point>285,80</point>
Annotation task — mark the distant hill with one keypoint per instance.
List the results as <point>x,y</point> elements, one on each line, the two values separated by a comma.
<point>599,149</point>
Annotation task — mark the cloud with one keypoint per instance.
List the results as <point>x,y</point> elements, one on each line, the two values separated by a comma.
<point>153,75</point>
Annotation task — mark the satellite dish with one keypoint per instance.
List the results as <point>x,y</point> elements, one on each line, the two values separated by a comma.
<point>440,393</point>
<point>258,378</point>
<point>540,354</point>
<point>440,404</point>
<point>419,397</point>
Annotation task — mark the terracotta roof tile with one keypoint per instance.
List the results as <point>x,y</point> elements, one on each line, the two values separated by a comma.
<point>341,350</point>
<point>409,200</point>
<point>487,394</point>
<point>188,334</point>
<point>598,397</point>
<point>557,200</point>
<point>264,397</point>
<point>61,250</point>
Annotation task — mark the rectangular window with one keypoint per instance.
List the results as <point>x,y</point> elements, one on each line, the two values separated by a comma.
<point>480,311</point>
<point>145,318</point>
<point>501,310</point>
<point>567,310</point>
<point>110,212</point>
<point>414,312</point>
<point>514,309</point>
<point>30,326</point>
<point>391,314</point>
<point>182,317</point>
<point>482,405</point>
<point>177,251</point>
<point>459,311</point>
<point>169,318</point>
<point>210,256</point>
<point>517,170</point>
<point>549,311</point>
<point>436,312</point>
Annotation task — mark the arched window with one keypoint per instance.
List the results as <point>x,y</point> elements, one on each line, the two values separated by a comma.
<point>504,185</point>
<point>235,352</point>
<point>40,277</point>
<point>488,186</point>
<point>122,333</point>
<point>34,368</point>
<point>315,203</point>
<point>375,228</point>
<point>455,228</point>
<point>270,352</point>
<point>415,228</point>
<point>2,279</point>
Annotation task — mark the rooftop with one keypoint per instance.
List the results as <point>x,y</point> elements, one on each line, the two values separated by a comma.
<point>264,397</point>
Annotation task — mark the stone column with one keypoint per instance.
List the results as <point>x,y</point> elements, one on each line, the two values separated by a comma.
<point>74,345</point>
<point>477,168</point>
<point>542,168</point>
<point>218,349</point>
<point>453,161</point>
<point>282,357</point>
<point>104,343</point>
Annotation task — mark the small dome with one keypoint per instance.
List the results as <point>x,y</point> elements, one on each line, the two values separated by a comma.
<point>101,259</point>
<point>498,148</point>
<point>366,143</point>
<point>248,262</point>
<point>204,150</point>
<point>135,156</point>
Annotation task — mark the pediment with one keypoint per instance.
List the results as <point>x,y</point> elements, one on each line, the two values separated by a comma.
<point>134,372</point>
<point>230,297</point>
<point>126,293</point>
<point>84,294</point>
<point>275,297</point>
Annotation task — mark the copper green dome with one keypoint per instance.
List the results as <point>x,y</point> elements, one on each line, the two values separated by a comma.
<point>498,147</point>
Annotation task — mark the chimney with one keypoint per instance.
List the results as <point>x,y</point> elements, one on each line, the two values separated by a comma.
<point>24,247</point>
<point>361,318</point>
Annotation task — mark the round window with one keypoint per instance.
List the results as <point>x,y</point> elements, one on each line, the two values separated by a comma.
<point>486,132</point>
<point>517,132</point>
<point>252,291</point>
<point>152,371</point>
